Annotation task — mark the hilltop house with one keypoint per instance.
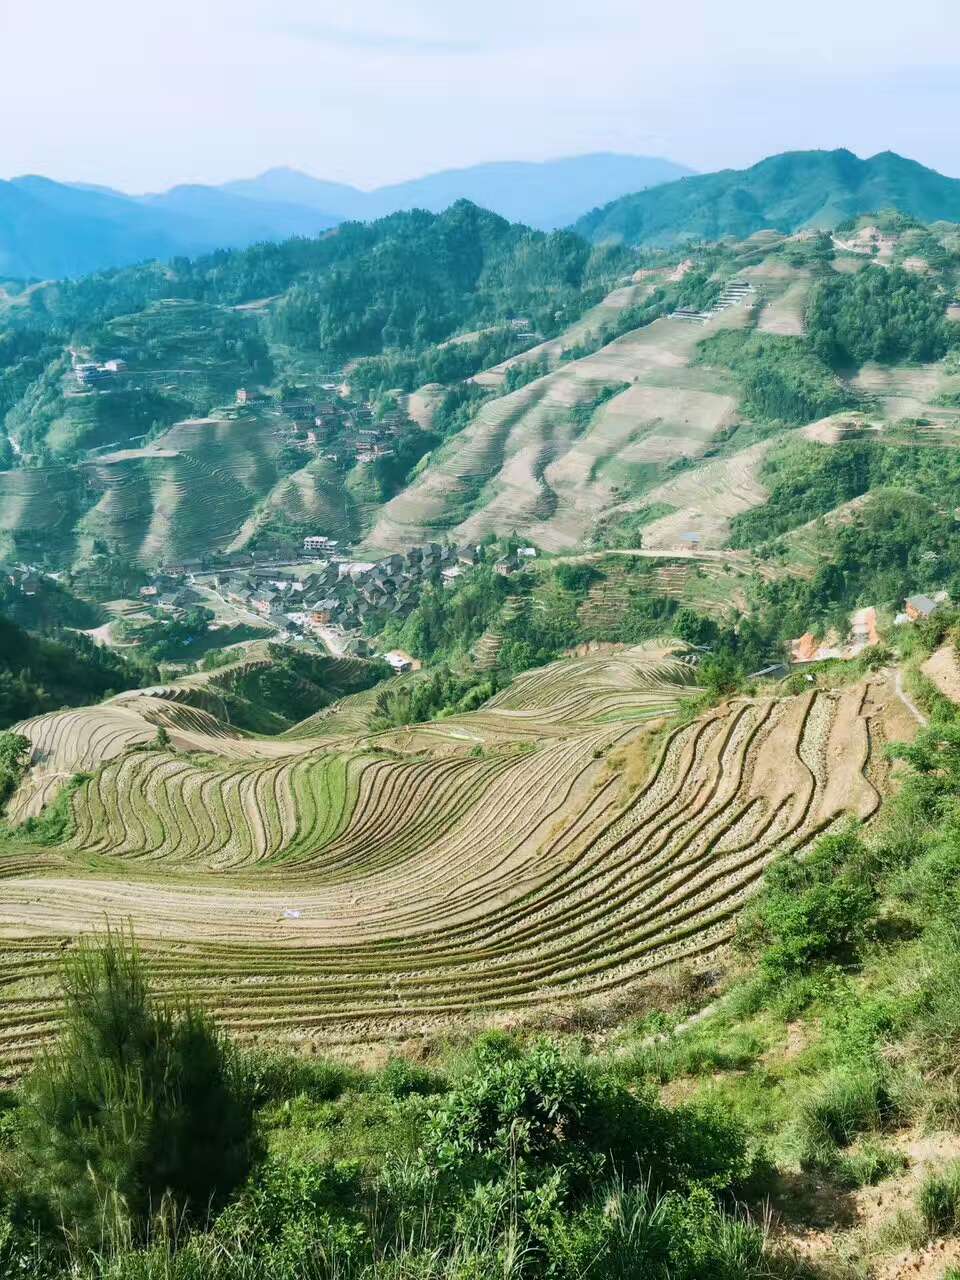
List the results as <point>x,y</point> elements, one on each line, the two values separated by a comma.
<point>246,397</point>
<point>919,607</point>
<point>401,661</point>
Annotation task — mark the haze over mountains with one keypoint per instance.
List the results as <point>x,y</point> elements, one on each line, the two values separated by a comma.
<point>51,229</point>
<point>548,195</point>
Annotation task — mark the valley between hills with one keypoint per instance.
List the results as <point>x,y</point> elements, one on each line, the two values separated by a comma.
<point>438,634</point>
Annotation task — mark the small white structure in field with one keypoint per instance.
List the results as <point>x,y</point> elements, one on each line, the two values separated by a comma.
<point>401,662</point>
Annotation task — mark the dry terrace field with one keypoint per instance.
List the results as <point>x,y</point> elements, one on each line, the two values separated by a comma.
<point>204,486</point>
<point>569,838</point>
<point>526,462</point>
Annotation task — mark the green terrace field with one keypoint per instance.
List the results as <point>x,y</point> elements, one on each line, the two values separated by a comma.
<point>571,837</point>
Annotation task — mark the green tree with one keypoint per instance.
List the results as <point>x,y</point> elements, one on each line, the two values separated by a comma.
<point>14,760</point>
<point>138,1109</point>
<point>878,314</point>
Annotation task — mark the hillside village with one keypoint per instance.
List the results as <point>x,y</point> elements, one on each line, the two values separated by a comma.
<point>339,600</point>
<point>324,599</point>
<point>333,426</point>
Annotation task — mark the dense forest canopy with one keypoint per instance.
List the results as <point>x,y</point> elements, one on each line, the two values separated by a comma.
<point>883,314</point>
<point>389,293</point>
<point>781,378</point>
<point>401,265</point>
<point>38,674</point>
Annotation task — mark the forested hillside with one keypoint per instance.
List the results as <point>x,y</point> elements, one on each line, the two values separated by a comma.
<point>40,674</point>
<point>581,398</point>
<point>281,317</point>
<point>784,192</point>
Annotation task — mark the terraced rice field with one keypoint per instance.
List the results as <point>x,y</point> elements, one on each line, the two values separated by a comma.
<point>593,321</point>
<point>193,710</point>
<point>785,292</point>
<point>561,842</point>
<point>40,503</point>
<point>204,485</point>
<point>706,500</point>
<point>525,463</point>
<point>313,496</point>
<point>905,391</point>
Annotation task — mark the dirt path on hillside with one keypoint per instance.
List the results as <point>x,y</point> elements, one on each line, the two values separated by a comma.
<point>942,668</point>
<point>908,702</point>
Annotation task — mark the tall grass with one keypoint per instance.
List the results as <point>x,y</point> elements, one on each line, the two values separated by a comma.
<point>622,1235</point>
<point>939,1201</point>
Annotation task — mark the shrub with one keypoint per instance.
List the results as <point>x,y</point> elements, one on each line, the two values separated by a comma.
<point>277,1077</point>
<point>850,1101</point>
<point>873,1162</point>
<point>401,1078</point>
<point>823,923</point>
<point>576,577</point>
<point>545,1112</point>
<point>137,1105</point>
<point>814,911</point>
<point>14,761</point>
<point>293,1204</point>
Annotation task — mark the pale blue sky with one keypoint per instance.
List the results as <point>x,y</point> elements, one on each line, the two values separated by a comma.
<point>141,94</point>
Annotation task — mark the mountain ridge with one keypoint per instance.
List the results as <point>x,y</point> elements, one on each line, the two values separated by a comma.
<point>784,192</point>
<point>540,193</point>
<point>52,229</point>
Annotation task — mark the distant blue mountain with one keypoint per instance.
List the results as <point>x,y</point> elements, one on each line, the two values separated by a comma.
<point>546,194</point>
<point>51,229</point>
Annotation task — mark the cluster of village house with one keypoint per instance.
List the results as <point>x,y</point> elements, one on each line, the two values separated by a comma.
<point>335,598</point>
<point>863,630</point>
<point>332,428</point>
<point>338,597</point>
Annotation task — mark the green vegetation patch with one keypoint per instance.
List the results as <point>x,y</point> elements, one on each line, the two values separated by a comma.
<point>146,1144</point>
<point>882,314</point>
<point>39,674</point>
<point>781,379</point>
